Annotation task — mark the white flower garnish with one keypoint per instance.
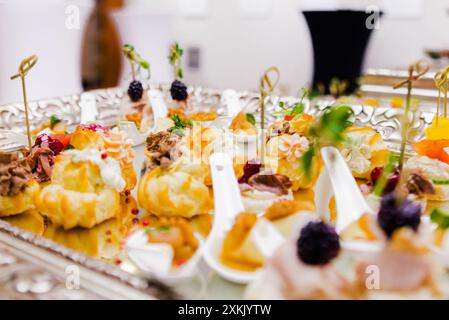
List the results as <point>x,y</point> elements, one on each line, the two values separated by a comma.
<point>293,146</point>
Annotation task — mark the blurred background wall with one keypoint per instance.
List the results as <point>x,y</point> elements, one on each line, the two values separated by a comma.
<point>228,43</point>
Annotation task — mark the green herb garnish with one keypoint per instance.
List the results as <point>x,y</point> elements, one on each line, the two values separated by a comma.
<point>251,119</point>
<point>54,120</point>
<point>441,218</point>
<point>180,125</point>
<point>158,229</point>
<point>326,130</point>
<point>69,147</point>
<point>383,180</point>
<point>296,110</point>
<point>135,58</point>
<point>329,128</point>
<point>176,53</point>
<point>337,87</point>
<point>440,182</point>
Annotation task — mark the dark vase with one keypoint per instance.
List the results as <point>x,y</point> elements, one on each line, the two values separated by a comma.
<point>339,40</point>
<point>101,49</point>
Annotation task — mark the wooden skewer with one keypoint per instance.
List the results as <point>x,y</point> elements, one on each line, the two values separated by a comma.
<point>442,83</point>
<point>24,67</point>
<point>266,87</point>
<point>415,72</point>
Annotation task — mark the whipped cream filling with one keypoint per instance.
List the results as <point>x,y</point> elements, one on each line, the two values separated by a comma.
<point>357,152</point>
<point>110,170</point>
<point>432,168</point>
<point>258,201</point>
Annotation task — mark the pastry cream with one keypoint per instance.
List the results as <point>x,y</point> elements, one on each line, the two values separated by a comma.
<point>431,168</point>
<point>110,170</point>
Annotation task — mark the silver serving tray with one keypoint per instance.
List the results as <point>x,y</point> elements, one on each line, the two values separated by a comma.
<point>44,263</point>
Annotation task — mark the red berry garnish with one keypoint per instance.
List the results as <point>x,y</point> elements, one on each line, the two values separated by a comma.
<point>135,220</point>
<point>251,168</point>
<point>145,223</point>
<point>135,211</point>
<point>95,127</point>
<point>118,262</point>
<point>127,192</point>
<point>180,262</point>
<point>392,181</point>
<point>104,156</point>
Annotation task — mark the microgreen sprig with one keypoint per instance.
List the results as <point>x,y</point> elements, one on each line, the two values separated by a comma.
<point>179,125</point>
<point>296,110</point>
<point>135,58</point>
<point>251,119</point>
<point>326,130</point>
<point>441,218</point>
<point>54,120</point>
<point>176,53</point>
<point>337,87</point>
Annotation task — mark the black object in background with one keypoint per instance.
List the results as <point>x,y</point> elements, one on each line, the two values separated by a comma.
<point>339,41</point>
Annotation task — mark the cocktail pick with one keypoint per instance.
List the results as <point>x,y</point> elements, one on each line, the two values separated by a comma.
<point>24,67</point>
<point>442,84</point>
<point>415,72</point>
<point>267,84</point>
<point>135,58</point>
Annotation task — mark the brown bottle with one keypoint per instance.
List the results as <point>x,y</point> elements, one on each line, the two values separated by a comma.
<point>101,48</point>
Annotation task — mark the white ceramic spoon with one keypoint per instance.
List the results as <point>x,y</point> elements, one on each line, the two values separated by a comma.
<point>228,204</point>
<point>88,106</point>
<point>157,258</point>
<point>160,111</point>
<point>336,180</point>
<point>230,99</point>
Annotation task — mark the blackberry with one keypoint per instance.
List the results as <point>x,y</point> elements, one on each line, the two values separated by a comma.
<point>394,215</point>
<point>178,91</point>
<point>318,243</point>
<point>135,90</point>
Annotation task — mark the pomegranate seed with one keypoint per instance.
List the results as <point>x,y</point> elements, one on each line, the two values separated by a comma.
<point>145,223</point>
<point>118,262</point>
<point>135,211</point>
<point>127,192</point>
<point>135,220</point>
<point>104,156</point>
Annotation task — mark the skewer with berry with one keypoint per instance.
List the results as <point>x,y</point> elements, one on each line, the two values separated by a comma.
<point>178,89</point>
<point>135,89</point>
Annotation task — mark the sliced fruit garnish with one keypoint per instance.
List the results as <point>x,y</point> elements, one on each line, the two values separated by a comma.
<point>440,131</point>
<point>63,138</point>
<point>434,149</point>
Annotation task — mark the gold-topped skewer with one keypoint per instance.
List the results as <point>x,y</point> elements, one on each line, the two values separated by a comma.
<point>267,84</point>
<point>415,72</point>
<point>24,67</point>
<point>442,83</point>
